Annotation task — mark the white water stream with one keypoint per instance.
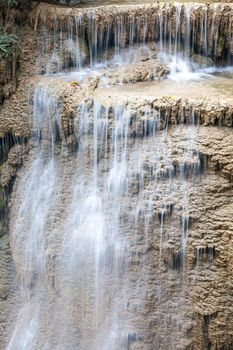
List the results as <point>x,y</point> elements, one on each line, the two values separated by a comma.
<point>80,236</point>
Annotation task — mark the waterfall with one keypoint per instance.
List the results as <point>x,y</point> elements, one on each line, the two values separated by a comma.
<point>104,203</point>
<point>175,27</point>
<point>36,201</point>
<point>83,224</point>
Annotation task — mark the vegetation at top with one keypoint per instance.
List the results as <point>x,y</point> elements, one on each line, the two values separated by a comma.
<point>13,3</point>
<point>9,40</point>
<point>8,44</point>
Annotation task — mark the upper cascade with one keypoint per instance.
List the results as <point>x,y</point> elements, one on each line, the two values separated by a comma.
<point>196,28</point>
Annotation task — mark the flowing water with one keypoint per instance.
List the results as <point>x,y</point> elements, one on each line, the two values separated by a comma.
<point>90,226</point>
<point>83,266</point>
<point>174,26</point>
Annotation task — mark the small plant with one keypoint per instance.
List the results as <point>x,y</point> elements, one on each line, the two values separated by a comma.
<point>13,3</point>
<point>8,44</point>
<point>9,3</point>
<point>6,5</point>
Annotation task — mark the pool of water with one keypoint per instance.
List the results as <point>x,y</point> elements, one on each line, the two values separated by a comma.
<point>212,82</point>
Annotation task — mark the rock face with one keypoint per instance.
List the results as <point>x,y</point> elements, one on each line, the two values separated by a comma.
<point>121,191</point>
<point>8,78</point>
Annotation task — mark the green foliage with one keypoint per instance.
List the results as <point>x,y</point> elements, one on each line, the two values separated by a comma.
<point>8,44</point>
<point>9,3</point>
<point>8,40</point>
<point>14,3</point>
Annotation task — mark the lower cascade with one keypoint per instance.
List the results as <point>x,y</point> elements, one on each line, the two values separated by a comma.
<point>121,196</point>
<point>83,241</point>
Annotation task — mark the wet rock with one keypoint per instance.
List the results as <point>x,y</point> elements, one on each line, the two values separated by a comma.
<point>10,167</point>
<point>145,71</point>
<point>202,61</point>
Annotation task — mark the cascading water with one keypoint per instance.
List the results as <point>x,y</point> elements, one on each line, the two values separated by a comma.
<point>176,28</point>
<point>36,195</point>
<point>92,224</point>
<point>83,42</point>
<point>95,247</point>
